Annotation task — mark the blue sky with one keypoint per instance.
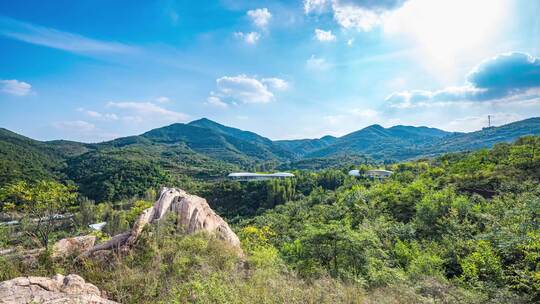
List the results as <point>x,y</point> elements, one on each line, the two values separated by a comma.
<point>92,70</point>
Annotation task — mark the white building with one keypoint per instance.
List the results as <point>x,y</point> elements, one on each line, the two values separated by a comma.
<point>378,174</point>
<point>97,226</point>
<point>355,173</point>
<point>248,176</point>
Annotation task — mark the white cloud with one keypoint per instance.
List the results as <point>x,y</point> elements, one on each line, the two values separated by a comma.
<point>216,101</point>
<point>244,89</point>
<point>149,110</point>
<point>260,17</point>
<point>317,63</point>
<point>350,42</point>
<point>350,16</point>
<point>276,83</point>
<point>249,38</point>
<point>80,125</point>
<point>99,116</point>
<point>53,38</point>
<point>15,87</point>
<point>324,36</point>
<point>163,99</point>
<point>317,6</point>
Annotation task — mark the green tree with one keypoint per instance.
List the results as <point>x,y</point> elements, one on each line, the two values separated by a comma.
<point>40,204</point>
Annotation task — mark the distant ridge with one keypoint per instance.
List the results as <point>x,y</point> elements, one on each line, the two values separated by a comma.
<point>206,149</point>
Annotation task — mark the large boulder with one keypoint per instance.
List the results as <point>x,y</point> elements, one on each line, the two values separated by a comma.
<point>73,246</point>
<point>58,289</point>
<point>193,214</point>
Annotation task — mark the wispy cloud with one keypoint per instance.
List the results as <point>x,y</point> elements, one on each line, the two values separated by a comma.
<point>317,63</point>
<point>75,124</point>
<point>53,38</point>
<point>140,111</point>
<point>216,101</point>
<point>98,115</point>
<point>249,38</point>
<point>15,87</point>
<point>163,99</point>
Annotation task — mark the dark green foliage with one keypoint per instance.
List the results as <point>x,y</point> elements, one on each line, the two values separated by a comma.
<point>27,159</point>
<point>472,219</point>
<point>105,177</point>
<point>461,228</point>
<point>203,150</point>
<point>247,198</point>
<point>320,163</point>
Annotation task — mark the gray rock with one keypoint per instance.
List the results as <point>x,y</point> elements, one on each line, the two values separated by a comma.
<point>73,246</point>
<point>58,289</point>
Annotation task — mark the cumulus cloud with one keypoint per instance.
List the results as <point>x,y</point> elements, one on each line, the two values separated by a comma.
<point>249,38</point>
<point>147,110</point>
<point>503,77</point>
<point>245,89</point>
<point>361,15</point>
<point>324,36</point>
<point>15,87</point>
<point>260,17</point>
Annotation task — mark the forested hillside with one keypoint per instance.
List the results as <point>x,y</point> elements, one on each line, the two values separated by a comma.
<point>459,228</point>
<point>190,154</point>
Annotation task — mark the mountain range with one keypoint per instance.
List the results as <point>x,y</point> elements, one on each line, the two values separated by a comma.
<point>206,149</point>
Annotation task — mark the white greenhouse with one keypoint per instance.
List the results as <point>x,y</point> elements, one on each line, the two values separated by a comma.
<point>248,176</point>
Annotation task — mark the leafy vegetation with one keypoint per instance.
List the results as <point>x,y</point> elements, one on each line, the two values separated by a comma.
<point>189,155</point>
<point>459,228</point>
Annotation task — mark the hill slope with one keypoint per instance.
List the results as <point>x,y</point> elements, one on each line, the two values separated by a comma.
<point>405,142</point>
<point>204,149</point>
<point>395,143</point>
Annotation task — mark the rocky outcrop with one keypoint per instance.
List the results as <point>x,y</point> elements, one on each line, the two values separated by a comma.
<point>58,289</point>
<point>73,246</point>
<point>193,214</point>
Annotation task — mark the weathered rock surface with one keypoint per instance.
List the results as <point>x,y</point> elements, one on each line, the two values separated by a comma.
<point>58,289</point>
<point>193,213</point>
<point>72,246</point>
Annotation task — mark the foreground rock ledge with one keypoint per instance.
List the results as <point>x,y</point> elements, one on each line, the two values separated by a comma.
<point>193,214</point>
<point>58,289</point>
